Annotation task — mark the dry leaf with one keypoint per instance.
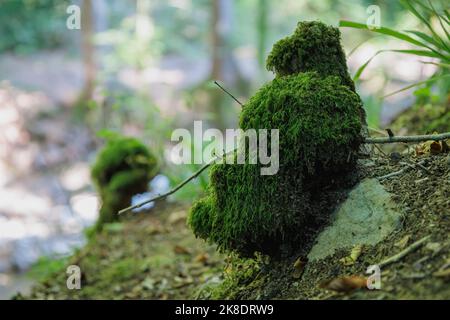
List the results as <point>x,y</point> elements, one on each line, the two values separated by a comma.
<point>403,242</point>
<point>154,229</point>
<point>431,147</point>
<point>442,273</point>
<point>354,255</point>
<point>180,250</point>
<point>299,267</point>
<point>345,284</point>
<point>435,147</point>
<point>202,258</point>
<point>419,150</point>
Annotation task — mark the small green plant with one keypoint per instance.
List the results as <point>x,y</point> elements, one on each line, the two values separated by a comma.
<point>122,169</point>
<point>319,116</point>
<point>431,44</point>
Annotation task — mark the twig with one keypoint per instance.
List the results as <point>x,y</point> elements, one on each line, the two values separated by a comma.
<point>403,253</point>
<point>420,138</point>
<point>418,164</point>
<point>393,174</point>
<point>394,139</point>
<point>380,150</point>
<point>178,187</point>
<point>234,98</point>
<point>407,166</point>
<point>376,130</point>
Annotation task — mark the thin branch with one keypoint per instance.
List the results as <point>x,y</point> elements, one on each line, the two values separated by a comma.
<point>178,187</point>
<point>234,98</point>
<point>403,253</point>
<point>407,166</point>
<point>436,137</point>
<point>420,138</point>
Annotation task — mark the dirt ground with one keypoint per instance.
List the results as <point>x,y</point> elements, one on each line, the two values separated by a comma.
<point>155,256</point>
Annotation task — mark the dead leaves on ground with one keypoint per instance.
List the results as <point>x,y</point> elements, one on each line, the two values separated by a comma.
<point>181,250</point>
<point>299,267</point>
<point>345,284</point>
<point>432,147</point>
<point>354,255</point>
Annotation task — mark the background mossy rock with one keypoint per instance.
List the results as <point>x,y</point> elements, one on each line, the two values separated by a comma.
<point>122,169</point>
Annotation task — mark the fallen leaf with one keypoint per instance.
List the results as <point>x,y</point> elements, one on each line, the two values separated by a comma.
<point>354,255</point>
<point>345,284</point>
<point>299,267</point>
<point>202,258</point>
<point>442,273</point>
<point>435,147</point>
<point>154,229</point>
<point>403,242</point>
<point>180,250</point>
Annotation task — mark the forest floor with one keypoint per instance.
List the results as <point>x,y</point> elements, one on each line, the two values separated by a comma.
<point>154,255</point>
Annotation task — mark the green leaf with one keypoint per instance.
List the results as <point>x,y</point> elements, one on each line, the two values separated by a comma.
<point>413,10</point>
<point>422,53</point>
<point>363,67</point>
<point>417,84</point>
<point>427,38</point>
<point>440,18</point>
<point>382,30</point>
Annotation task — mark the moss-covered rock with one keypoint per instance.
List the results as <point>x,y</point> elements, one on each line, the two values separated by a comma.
<point>314,46</point>
<point>319,120</point>
<point>122,169</point>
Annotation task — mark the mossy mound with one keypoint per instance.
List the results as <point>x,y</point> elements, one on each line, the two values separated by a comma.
<point>122,169</point>
<point>319,123</point>
<point>319,116</point>
<point>314,46</point>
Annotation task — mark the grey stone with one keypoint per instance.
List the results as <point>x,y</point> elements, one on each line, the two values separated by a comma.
<point>366,217</point>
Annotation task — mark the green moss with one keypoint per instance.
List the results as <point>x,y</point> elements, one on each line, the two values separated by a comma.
<point>319,122</point>
<point>314,46</point>
<point>123,168</point>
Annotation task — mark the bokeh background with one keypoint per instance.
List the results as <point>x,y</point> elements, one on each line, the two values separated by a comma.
<point>143,68</point>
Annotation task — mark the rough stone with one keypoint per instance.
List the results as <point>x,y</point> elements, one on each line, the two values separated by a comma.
<point>366,217</point>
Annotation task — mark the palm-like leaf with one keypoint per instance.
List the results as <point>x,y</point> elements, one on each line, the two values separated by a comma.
<point>429,45</point>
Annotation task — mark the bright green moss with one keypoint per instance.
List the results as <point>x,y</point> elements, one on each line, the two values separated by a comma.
<point>319,122</point>
<point>314,46</point>
<point>123,168</point>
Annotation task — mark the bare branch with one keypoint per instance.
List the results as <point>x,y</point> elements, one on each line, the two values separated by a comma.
<point>178,187</point>
<point>403,253</point>
<point>227,92</point>
<point>420,138</point>
<point>394,139</point>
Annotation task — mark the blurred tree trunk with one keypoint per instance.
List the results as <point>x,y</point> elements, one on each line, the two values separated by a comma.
<point>217,63</point>
<point>87,47</point>
<point>224,65</point>
<point>262,31</point>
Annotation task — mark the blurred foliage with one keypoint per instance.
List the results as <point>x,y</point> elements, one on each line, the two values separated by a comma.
<point>434,43</point>
<point>46,266</point>
<point>30,25</point>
